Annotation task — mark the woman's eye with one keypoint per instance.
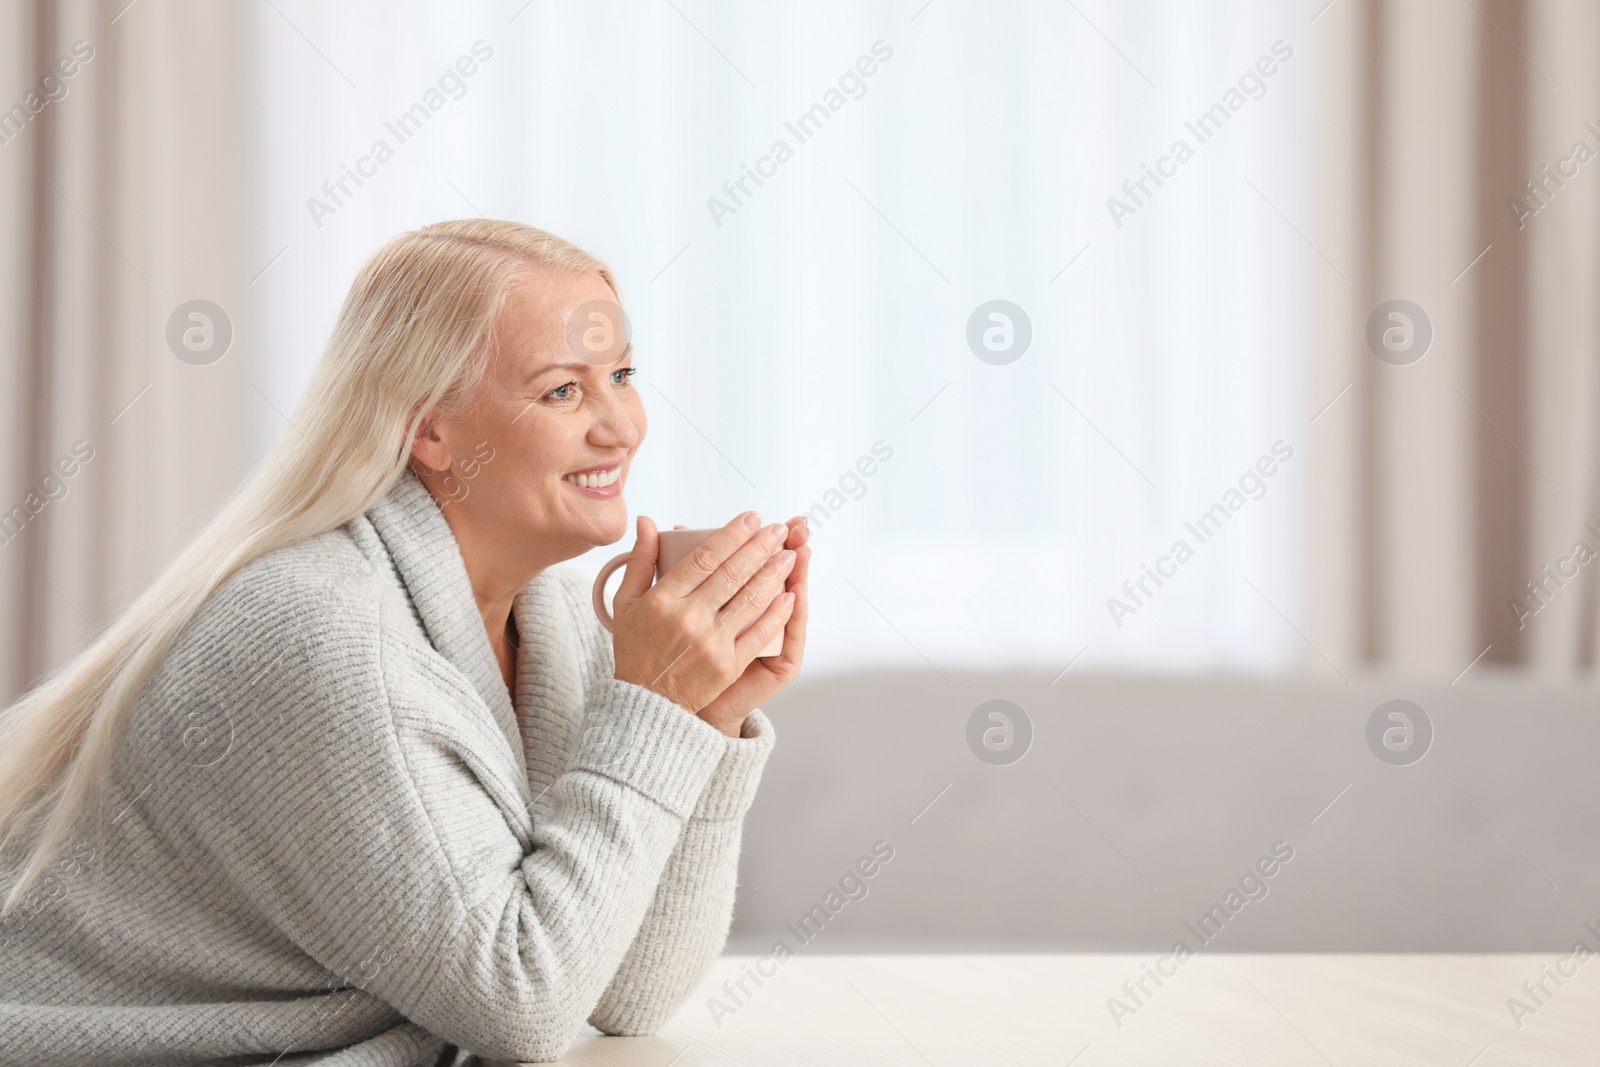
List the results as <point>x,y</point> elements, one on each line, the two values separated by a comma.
<point>570,390</point>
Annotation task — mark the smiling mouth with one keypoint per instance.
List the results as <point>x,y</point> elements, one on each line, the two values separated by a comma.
<point>595,478</point>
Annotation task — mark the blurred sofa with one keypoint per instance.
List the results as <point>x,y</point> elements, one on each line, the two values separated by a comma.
<point>1142,801</point>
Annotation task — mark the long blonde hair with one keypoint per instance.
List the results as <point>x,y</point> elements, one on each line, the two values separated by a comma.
<point>415,335</point>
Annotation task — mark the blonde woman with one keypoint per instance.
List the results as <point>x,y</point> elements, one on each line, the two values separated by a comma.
<point>360,779</point>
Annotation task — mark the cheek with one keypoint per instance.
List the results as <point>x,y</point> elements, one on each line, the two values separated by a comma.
<point>538,443</point>
<point>641,420</point>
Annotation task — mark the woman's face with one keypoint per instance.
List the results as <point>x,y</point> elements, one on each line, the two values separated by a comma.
<point>533,474</point>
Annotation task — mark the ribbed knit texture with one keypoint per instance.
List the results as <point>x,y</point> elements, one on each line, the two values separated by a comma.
<point>330,831</point>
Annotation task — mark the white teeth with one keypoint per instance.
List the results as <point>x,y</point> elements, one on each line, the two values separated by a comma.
<point>597,480</point>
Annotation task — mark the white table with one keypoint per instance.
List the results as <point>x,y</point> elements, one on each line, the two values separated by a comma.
<point>1267,1010</point>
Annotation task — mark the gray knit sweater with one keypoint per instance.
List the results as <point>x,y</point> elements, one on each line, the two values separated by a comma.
<point>333,837</point>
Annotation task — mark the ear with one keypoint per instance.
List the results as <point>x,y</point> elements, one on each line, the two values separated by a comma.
<point>428,447</point>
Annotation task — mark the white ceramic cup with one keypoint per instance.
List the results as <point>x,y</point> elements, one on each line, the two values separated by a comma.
<point>675,544</point>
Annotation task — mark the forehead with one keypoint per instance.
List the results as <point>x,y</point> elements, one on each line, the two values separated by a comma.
<point>533,329</point>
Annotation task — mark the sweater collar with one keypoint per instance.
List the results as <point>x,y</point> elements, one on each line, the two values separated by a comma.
<point>425,553</point>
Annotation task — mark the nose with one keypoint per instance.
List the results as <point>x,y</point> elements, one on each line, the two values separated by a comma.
<point>611,422</point>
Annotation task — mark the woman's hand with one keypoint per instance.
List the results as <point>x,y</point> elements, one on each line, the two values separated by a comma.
<point>768,674</point>
<point>681,636</point>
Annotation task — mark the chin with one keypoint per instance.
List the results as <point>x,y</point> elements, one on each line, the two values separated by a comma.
<point>607,528</point>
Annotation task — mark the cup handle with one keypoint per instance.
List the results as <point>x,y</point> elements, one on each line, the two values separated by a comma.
<point>600,609</point>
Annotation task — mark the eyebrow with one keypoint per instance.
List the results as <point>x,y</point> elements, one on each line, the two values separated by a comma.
<point>571,365</point>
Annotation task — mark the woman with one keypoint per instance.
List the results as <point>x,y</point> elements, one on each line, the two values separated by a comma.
<point>360,779</point>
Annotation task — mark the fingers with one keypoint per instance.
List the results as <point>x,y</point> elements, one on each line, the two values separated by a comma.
<point>802,569</point>
<point>725,584</point>
<point>691,571</point>
<point>641,564</point>
<point>794,632</point>
<point>799,532</point>
<point>757,593</point>
<point>770,624</point>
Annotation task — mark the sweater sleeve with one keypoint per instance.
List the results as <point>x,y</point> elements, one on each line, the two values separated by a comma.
<point>371,824</point>
<point>687,924</point>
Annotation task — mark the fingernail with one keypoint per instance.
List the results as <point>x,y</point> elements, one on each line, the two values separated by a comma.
<point>752,520</point>
<point>778,530</point>
<point>786,557</point>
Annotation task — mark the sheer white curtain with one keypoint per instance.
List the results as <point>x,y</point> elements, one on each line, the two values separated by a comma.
<point>825,315</point>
